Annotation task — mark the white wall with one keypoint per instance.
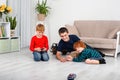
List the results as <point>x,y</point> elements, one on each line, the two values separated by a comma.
<point>66,11</point>
<point>2,2</point>
<point>63,12</point>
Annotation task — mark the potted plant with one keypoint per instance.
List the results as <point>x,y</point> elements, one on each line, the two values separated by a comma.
<point>13,24</point>
<point>42,10</point>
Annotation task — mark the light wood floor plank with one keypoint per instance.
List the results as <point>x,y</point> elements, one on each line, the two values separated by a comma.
<point>20,66</point>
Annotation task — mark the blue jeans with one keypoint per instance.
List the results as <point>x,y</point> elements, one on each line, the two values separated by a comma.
<point>38,56</point>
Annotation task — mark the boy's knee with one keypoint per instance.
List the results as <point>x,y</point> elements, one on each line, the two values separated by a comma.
<point>37,59</point>
<point>45,59</point>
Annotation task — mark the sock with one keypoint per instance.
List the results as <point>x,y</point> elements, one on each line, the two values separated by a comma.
<point>102,61</point>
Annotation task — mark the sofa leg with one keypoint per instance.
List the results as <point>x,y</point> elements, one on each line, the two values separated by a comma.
<point>115,54</point>
<point>117,44</point>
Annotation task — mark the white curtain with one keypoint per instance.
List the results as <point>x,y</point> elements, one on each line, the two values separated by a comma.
<point>26,20</point>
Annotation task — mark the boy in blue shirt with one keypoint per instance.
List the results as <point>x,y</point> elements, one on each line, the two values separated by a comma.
<point>66,43</point>
<point>87,55</point>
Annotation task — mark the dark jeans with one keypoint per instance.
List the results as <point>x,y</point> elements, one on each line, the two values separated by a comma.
<point>38,56</point>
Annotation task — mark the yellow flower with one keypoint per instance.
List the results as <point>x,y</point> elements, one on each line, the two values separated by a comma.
<point>9,9</point>
<point>1,9</point>
<point>4,6</point>
<point>4,9</point>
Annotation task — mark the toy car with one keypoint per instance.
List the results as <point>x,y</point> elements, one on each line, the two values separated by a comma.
<point>71,76</point>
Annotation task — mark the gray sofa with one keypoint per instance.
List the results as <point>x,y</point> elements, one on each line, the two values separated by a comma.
<point>100,34</point>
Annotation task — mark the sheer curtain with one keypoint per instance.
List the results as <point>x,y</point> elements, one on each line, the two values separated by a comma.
<point>26,20</point>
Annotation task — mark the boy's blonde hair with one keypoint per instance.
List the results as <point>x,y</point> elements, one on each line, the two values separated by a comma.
<point>40,27</point>
<point>79,44</point>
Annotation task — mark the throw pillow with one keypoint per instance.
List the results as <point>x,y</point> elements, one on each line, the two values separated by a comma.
<point>113,33</point>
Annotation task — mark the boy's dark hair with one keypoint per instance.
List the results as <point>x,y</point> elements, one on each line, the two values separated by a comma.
<point>62,30</point>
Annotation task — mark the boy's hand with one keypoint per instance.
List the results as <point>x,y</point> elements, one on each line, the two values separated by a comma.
<point>63,59</point>
<point>44,49</point>
<point>69,58</point>
<point>37,49</point>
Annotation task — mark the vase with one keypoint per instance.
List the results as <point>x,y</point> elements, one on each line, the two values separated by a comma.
<point>12,33</point>
<point>41,17</point>
<point>1,19</point>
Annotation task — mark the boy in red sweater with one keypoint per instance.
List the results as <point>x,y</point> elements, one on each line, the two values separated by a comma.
<point>39,44</point>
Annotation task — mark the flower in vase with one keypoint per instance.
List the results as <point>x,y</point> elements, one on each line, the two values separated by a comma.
<point>4,9</point>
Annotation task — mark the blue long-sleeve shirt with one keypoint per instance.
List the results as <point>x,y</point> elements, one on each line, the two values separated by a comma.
<point>68,46</point>
<point>87,53</point>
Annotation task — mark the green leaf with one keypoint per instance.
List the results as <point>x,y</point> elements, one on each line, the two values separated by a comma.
<point>12,21</point>
<point>42,8</point>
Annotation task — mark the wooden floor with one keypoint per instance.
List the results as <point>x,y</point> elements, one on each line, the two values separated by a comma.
<point>20,66</point>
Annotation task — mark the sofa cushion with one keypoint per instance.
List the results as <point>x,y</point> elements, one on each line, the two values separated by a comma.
<point>96,28</point>
<point>100,42</point>
<point>72,29</point>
